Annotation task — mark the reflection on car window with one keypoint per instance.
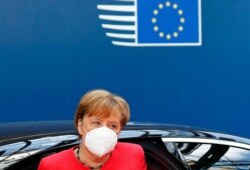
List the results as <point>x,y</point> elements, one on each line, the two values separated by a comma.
<point>12,153</point>
<point>213,157</point>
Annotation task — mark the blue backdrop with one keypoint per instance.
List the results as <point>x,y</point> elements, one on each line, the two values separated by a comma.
<point>53,51</point>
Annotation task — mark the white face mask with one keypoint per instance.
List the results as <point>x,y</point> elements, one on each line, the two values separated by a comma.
<point>100,140</point>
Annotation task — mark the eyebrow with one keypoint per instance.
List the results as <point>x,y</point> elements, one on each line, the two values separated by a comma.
<point>114,122</point>
<point>100,119</point>
<point>95,118</point>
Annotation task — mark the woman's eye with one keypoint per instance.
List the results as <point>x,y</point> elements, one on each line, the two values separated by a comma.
<point>96,123</point>
<point>113,126</point>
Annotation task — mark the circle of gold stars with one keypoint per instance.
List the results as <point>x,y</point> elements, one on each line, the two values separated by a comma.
<point>180,27</point>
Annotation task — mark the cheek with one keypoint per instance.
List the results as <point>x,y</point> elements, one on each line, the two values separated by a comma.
<point>119,129</point>
<point>118,132</point>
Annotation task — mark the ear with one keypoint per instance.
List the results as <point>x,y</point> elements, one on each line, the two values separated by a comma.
<point>80,126</point>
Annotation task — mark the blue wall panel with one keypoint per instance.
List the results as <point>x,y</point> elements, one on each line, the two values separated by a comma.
<point>51,52</point>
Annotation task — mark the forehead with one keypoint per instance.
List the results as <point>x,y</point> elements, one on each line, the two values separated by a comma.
<point>104,113</point>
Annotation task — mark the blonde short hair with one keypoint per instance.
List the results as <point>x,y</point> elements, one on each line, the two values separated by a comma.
<point>102,103</point>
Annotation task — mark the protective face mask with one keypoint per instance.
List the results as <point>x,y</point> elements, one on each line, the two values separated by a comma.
<point>100,140</point>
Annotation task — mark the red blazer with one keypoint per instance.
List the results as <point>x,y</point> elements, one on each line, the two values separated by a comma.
<point>125,156</point>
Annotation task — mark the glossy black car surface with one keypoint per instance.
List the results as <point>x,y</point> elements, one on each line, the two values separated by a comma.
<point>22,145</point>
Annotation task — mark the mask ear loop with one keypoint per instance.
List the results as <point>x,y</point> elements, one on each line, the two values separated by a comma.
<point>84,129</point>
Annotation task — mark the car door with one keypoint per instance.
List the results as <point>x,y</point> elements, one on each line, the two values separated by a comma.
<point>214,154</point>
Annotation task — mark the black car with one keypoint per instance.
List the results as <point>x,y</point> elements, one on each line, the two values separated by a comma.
<point>22,145</point>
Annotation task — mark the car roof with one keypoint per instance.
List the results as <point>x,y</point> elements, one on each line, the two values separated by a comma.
<point>11,130</point>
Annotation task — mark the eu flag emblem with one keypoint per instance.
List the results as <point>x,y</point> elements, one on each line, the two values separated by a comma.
<point>152,22</point>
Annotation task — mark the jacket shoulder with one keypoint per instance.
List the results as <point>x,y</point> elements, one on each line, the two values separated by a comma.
<point>56,160</point>
<point>129,148</point>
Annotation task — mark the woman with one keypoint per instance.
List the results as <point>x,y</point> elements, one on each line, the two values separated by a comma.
<point>99,119</point>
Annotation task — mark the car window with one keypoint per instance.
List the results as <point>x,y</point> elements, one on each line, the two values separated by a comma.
<point>173,149</point>
<point>214,156</point>
<point>158,157</point>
